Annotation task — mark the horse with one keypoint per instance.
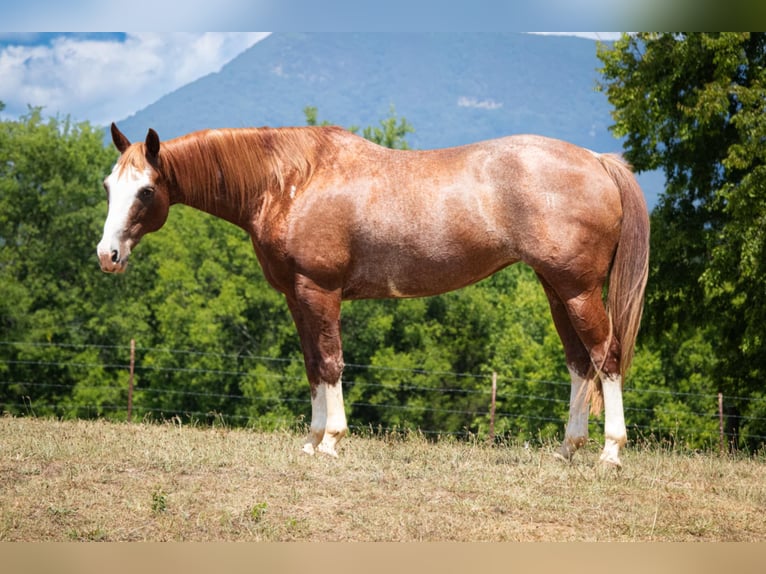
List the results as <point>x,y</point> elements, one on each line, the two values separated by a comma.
<point>333,217</point>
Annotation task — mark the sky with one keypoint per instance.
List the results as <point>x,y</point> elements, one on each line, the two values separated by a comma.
<point>104,77</point>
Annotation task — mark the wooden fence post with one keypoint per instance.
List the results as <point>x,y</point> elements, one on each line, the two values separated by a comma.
<point>720,423</point>
<point>130,379</point>
<point>492,409</point>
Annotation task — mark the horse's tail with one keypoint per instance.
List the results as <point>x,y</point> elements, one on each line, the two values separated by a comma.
<point>630,268</point>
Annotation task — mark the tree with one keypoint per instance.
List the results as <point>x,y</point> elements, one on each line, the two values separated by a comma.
<point>311,114</point>
<point>50,211</point>
<point>693,105</point>
<point>391,133</point>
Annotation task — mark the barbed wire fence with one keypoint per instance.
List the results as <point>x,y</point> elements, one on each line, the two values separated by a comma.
<point>22,396</point>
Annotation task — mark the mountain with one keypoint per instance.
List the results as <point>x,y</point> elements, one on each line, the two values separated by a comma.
<point>453,88</point>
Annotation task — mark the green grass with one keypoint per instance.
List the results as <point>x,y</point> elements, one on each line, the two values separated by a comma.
<point>100,481</point>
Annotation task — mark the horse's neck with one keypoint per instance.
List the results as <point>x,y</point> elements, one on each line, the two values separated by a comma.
<point>211,189</point>
<point>220,210</point>
<point>232,173</point>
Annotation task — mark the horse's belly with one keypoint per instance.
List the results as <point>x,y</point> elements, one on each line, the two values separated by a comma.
<point>407,273</point>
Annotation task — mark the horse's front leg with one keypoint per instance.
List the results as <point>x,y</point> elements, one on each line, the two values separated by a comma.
<point>316,313</point>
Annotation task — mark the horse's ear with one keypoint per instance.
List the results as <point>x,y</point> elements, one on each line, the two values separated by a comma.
<point>120,141</point>
<point>152,143</point>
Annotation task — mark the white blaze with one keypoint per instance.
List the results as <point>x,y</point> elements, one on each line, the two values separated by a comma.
<point>123,186</point>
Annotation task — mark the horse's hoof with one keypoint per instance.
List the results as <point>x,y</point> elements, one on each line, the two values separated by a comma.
<point>568,449</point>
<point>308,448</point>
<point>562,457</point>
<point>328,450</point>
<point>610,461</point>
<point>610,456</point>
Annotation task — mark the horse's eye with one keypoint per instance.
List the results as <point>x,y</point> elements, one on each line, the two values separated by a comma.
<point>146,192</point>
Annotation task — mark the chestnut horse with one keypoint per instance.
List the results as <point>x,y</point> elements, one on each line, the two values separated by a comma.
<point>333,216</point>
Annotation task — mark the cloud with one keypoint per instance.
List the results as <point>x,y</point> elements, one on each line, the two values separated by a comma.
<point>601,36</point>
<point>106,79</point>
<point>465,102</point>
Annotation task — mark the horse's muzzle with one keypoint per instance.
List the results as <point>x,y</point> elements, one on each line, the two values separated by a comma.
<point>111,262</point>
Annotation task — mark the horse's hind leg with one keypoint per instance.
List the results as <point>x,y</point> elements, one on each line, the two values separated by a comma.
<point>578,363</point>
<point>590,322</point>
<point>316,313</point>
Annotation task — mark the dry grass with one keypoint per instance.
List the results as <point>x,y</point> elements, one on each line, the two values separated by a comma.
<point>93,480</point>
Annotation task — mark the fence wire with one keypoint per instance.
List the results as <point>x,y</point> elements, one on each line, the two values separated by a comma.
<point>23,390</point>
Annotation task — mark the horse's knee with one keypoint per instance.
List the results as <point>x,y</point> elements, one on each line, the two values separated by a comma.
<point>330,369</point>
<point>327,370</point>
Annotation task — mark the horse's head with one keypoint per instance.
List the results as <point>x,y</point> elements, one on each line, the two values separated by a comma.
<point>138,199</point>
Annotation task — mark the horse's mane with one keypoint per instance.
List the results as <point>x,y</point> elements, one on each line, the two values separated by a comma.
<point>238,165</point>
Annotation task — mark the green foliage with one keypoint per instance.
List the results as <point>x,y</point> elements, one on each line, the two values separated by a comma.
<point>50,209</point>
<point>693,105</point>
<point>391,133</point>
<point>311,114</point>
<point>159,500</point>
<point>258,511</point>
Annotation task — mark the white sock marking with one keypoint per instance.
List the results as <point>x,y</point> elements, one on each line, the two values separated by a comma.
<point>576,433</point>
<point>615,433</point>
<point>318,419</point>
<point>328,419</point>
<point>335,420</point>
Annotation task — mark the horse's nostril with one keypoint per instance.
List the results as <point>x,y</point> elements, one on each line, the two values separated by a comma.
<point>115,256</point>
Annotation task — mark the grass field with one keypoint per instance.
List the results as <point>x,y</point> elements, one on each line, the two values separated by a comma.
<point>94,480</point>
